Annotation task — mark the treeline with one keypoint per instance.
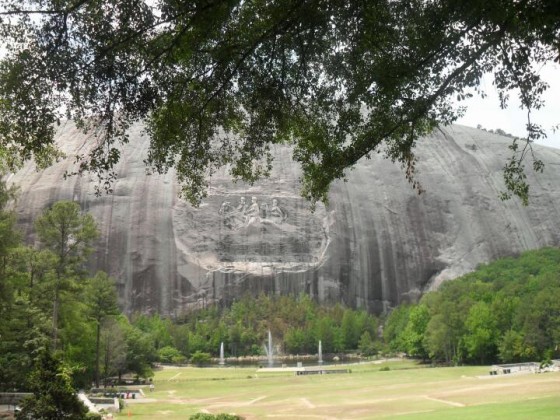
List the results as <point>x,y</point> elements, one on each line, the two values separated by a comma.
<point>506,311</point>
<point>296,325</point>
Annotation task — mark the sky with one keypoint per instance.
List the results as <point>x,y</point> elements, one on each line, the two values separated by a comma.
<point>488,114</point>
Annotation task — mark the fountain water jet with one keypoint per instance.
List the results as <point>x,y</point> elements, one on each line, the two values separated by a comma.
<point>268,349</point>
<point>222,359</point>
<point>320,361</point>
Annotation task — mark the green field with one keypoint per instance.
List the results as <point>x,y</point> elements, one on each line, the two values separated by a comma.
<point>407,390</point>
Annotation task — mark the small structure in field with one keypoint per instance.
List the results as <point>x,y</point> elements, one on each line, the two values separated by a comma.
<point>529,367</point>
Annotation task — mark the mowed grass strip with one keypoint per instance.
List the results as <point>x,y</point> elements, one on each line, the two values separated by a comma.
<point>407,390</point>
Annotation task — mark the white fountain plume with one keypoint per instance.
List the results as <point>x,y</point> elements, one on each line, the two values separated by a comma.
<point>222,359</point>
<point>269,349</point>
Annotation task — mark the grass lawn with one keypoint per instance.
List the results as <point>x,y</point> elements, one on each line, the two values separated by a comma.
<point>407,390</point>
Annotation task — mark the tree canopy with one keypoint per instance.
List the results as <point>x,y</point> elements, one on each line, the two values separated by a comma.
<point>508,311</point>
<point>56,317</point>
<point>53,395</point>
<point>68,235</point>
<point>219,82</point>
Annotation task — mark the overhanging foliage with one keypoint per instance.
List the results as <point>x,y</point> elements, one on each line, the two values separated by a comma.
<point>219,82</point>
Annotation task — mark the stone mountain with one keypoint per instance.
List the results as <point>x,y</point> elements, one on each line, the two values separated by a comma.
<point>377,243</point>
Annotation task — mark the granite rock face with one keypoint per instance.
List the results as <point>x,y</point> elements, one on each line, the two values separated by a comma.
<point>376,244</point>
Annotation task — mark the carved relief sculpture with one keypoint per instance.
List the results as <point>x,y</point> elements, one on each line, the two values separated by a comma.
<point>242,216</point>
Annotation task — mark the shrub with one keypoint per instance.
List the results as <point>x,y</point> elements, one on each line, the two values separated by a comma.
<point>221,416</point>
<point>199,358</point>
<point>169,354</point>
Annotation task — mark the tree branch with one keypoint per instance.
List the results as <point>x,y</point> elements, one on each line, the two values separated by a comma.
<point>357,151</point>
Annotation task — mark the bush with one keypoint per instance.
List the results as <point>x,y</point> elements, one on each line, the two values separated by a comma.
<point>221,416</point>
<point>199,358</point>
<point>169,354</point>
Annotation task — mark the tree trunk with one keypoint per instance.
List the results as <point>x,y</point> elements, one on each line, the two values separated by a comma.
<point>97,353</point>
<point>106,363</point>
<point>55,317</point>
